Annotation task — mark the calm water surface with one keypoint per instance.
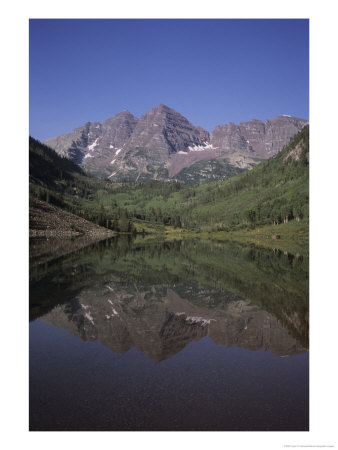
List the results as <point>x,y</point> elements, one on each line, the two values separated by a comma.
<point>187,335</point>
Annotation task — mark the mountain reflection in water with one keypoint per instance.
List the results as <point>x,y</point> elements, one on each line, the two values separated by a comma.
<point>159,297</point>
<point>160,321</point>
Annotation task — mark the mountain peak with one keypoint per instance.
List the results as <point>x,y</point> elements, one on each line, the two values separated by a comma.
<point>124,113</point>
<point>164,108</point>
<point>163,141</point>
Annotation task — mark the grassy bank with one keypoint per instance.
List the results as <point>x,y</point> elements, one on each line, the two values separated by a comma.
<point>292,237</point>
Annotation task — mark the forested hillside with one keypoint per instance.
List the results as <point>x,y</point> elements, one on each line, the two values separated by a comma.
<point>60,182</point>
<point>275,191</point>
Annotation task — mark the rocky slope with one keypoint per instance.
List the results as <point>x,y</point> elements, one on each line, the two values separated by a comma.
<point>256,138</point>
<point>158,136</point>
<point>52,232</point>
<point>162,143</point>
<point>93,145</point>
<point>50,221</point>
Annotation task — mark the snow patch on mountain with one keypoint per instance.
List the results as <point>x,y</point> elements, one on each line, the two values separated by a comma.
<point>93,145</point>
<point>200,148</point>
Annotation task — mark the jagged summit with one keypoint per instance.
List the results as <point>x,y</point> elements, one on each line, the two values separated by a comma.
<point>162,106</point>
<point>162,142</point>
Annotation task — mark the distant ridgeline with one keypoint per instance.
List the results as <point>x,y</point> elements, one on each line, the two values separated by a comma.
<point>275,191</point>
<point>163,145</point>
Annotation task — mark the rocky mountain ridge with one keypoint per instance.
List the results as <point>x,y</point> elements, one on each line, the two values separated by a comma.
<point>162,143</point>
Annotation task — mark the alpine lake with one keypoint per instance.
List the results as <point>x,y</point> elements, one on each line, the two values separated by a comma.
<point>181,335</point>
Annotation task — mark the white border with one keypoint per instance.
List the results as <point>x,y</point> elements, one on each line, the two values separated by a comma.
<point>14,223</point>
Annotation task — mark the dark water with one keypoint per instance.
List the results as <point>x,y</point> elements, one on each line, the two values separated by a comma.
<point>186,335</point>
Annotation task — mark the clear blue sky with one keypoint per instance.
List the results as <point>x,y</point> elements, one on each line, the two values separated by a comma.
<point>211,71</point>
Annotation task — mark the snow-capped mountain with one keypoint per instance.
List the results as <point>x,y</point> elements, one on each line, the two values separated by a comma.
<point>163,144</point>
